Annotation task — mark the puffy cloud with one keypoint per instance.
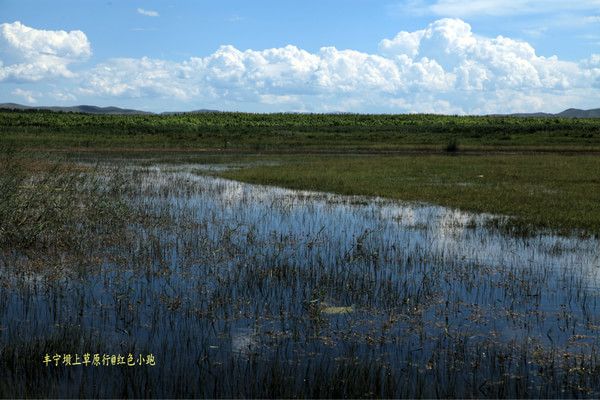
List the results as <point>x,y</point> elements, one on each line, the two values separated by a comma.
<point>28,95</point>
<point>287,73</point>
<point>593,61</point>
<point>144,77</point>
<point>348,71</point>
<point>28,54</point>
<point>593,72</point>
<point>404,43</point>
<point>481,63</point>
<point>444,68</point>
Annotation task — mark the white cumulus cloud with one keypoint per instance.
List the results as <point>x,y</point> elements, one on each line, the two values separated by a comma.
<point>28,54</point>
<point>444,67</point>
<point>481,63</point>
<point>144,77</point>
<point>27,95</point>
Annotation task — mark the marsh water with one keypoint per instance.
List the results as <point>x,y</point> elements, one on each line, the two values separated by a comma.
<point>242,290</point>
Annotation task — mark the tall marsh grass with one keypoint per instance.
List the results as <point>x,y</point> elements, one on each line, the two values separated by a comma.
<point>53,205</point>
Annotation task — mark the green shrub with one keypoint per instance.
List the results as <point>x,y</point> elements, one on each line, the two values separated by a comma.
<point>452,146</point>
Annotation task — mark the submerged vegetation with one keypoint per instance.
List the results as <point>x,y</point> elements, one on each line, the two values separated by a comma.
<point>250,291</point>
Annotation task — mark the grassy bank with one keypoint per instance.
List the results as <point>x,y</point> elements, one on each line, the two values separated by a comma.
<point>295,132</point>
<point>555,191</point>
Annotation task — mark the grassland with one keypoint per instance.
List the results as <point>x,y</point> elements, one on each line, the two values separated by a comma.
<point>541,170</point>
<point>295,132</point>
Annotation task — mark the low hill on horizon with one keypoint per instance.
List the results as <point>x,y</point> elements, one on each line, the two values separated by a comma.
<point>89,109</point>
<point>86,109</point>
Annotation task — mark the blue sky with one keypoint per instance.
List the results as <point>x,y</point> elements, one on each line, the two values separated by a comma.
<point>442,56</point>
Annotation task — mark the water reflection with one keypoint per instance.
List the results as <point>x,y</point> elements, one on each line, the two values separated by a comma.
<point>235,288</point>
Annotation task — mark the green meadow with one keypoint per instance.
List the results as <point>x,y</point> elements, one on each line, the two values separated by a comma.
<point>213,131</point>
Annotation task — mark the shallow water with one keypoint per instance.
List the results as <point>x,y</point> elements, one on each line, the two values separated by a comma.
<point>229,285</point>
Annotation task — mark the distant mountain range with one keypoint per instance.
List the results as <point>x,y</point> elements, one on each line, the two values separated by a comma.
<point>93,109</point>
<point>570,113</point>
<point>76,109</point>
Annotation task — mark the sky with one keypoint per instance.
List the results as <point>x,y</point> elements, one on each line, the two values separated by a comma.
<point>404,56</point>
